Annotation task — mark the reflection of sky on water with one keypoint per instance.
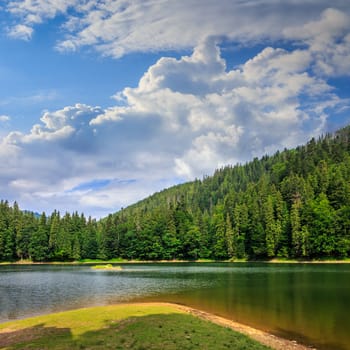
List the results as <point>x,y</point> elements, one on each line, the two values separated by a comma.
<point>29,290</point>
<point>26,291</point>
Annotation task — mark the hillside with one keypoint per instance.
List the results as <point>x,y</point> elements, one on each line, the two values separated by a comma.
<point>293,204</point>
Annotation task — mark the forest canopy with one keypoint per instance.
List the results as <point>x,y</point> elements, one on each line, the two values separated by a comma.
<point>293,204</point>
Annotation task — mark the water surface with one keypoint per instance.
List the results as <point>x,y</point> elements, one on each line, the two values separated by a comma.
<point>307,302</point>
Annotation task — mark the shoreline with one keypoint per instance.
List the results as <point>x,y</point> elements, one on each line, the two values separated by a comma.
<point>265,338</point>
<point>275,342</point>
<point>74,263</point>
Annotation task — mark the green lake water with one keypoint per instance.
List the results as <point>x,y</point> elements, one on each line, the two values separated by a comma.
<point>306,302</point>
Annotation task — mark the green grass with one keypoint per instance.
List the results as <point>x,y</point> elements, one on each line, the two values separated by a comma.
<point>106,267</point>
<point>136,327</point>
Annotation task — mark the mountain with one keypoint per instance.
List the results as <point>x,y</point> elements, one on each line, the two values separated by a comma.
<point>293,204</point>
<point>29,212</point>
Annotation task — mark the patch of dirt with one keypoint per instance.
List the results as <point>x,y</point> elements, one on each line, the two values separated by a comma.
<point>10,337</point>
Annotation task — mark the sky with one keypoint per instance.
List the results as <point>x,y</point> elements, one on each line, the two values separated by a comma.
<point>104,102</point>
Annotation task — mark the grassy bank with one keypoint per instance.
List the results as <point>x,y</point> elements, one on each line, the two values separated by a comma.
<point>134,326</point>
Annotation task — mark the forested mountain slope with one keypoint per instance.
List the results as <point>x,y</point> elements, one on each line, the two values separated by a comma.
<point>293,204</point>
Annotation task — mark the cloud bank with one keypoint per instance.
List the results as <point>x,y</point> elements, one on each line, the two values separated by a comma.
<point>116,28</point>
<point>187,116</point>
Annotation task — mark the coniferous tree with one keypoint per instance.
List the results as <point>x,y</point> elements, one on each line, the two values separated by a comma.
<point>89,248</point>
<point>220,243</point>
<point>170,241</point>
<point>39,241</point>
<point>240,230</point>
<point>76,255</point>
<point>270,227</point>
<point>30,225</point>
<point>54,234</point>
<point>108,239</point>
<point>295,220</point>
<point>321,225</point>
<point>231,240</point>
<point>64,239</point>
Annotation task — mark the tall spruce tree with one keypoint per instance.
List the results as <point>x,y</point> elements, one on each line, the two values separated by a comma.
<point>39,241</point>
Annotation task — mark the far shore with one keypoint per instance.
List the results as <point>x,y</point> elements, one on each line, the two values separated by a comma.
<point>122,261</point>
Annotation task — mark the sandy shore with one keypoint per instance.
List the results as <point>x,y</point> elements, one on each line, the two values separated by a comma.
<point>262,337</point>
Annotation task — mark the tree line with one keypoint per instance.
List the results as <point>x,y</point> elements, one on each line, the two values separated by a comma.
<point>293,204</point>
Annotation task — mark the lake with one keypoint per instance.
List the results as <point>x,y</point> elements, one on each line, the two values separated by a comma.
<point>306,302</point>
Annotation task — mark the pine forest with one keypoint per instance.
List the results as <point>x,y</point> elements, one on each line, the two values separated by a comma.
<point>294,204</point>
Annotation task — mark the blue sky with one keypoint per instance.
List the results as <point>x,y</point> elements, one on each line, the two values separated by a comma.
<point>104,102</point>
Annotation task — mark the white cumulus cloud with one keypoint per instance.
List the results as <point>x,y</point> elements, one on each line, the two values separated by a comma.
<point>186,117</point>
<point>21,31</point>
<point>4,118</point>
<point>328,38</point>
